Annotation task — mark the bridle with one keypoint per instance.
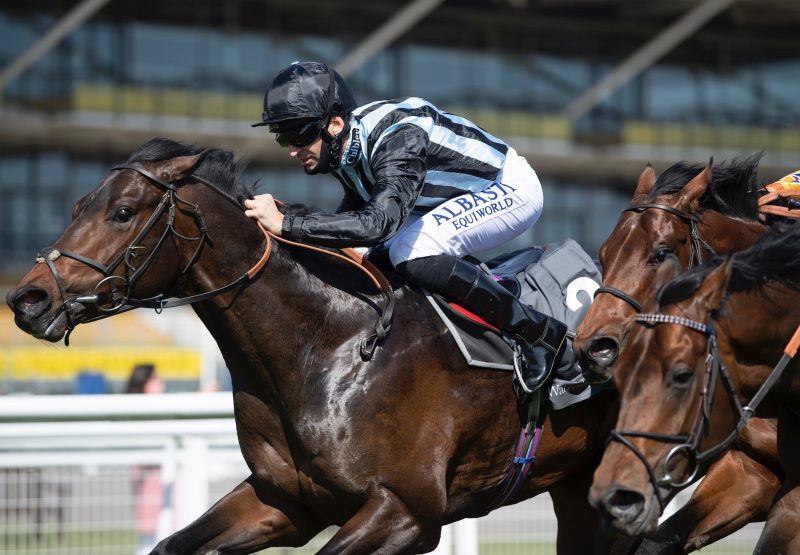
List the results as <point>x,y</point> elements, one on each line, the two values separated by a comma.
<point>690,444</point>
<point>121,286</point>
<point>698,244</point>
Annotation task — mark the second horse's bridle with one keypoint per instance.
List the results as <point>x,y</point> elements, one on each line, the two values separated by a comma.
<point>690,444</point>
<point>698,244</point>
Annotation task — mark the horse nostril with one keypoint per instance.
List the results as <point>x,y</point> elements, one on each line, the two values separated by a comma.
<point>624,505</point>
<point>32,301</point>
<point>604,351</point>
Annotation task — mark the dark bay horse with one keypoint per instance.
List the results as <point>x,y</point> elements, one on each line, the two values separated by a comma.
<point>388,449</point>
<point>687,213</point>
<point>688,370</point>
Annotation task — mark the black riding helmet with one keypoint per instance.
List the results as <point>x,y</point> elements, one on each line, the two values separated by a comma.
<point>299,104</point>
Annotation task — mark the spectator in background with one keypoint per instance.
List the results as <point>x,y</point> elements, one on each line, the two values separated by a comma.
<point>147,488</point>
<point>143,379</point>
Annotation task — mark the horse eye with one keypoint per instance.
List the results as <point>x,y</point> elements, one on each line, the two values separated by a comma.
<point>661,254</point>
<point>680,377</point>
<point>123,214</point>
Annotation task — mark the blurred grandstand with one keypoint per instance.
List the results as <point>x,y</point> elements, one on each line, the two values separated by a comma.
<point>588,90</point>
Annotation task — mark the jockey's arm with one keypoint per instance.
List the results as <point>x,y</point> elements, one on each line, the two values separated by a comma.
<point>398,165</point>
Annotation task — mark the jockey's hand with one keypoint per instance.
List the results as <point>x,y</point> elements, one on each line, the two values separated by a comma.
<point>263,209</point>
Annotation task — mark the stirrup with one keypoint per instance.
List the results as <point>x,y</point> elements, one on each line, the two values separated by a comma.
<point>522,391</point>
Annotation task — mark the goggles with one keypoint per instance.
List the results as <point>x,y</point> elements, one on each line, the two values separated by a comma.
<point>303,135</point>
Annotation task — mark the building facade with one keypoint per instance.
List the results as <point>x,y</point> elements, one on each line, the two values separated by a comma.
<point>196,72</point>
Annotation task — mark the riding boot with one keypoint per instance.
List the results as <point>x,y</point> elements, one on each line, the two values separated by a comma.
<point>540,339</point>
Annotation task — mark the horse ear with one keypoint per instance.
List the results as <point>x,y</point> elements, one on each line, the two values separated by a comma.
<point>176,169</point>
<point>715,286</point>
<point>645,184</point>
<point>670,268</point>
<point>692,191</point>
<point>667,270</point>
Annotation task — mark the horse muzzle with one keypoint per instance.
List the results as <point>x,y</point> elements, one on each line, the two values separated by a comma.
<point>626,511</point>
<point>35,314</point>
<point>32,307</point>
<point>597,358</point>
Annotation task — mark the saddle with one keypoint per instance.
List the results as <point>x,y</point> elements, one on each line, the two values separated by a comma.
<point>558,279</point>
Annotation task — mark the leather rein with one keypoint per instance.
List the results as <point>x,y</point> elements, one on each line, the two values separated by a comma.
<point>690,444</point>
<point>698,244</point>
<point>121,286</point>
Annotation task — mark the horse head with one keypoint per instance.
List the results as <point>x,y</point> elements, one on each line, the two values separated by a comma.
<point>127,243</point>
<point>651,229</point>
<point>679,214</point>
<point>666,387</point>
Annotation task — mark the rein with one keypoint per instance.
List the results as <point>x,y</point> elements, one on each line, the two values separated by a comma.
<point>690,444</point>
<point>356,259</point>
<point>695,255</point>
<point>121,287</point>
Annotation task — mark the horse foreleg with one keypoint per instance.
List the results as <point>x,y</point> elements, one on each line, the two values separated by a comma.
<point>573,512</point>
<point>737,490</point>
<point>245,520</point>
<point>781,534</point>
<point>383,525</point>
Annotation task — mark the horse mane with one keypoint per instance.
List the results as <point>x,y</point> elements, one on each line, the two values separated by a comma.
<point>731,191</point>
<point>774,257</point>
<point>217,166</point>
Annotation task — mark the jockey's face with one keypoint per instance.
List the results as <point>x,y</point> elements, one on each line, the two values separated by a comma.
<point>308,155</point>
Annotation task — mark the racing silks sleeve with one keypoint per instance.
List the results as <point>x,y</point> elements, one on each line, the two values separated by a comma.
<point>398,164</point>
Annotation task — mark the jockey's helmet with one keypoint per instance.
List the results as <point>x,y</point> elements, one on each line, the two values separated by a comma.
<point>305,92</point>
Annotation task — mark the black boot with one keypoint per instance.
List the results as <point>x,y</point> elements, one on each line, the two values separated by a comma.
<point>541,342</point>
<point>541,339</point>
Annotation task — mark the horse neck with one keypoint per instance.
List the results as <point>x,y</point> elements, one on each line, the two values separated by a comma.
<point>728,234</point>
<point>275,328</point>
<point>753,329</point>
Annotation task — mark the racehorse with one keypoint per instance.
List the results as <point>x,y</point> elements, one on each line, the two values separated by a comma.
<point>713,341</point>
<point>688,213</point>
<point>389,446</point>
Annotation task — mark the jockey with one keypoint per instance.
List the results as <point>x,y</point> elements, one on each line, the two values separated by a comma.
<point>431,186</point>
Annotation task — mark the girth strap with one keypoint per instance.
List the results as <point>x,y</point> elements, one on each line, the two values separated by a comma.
<point>525,452</point>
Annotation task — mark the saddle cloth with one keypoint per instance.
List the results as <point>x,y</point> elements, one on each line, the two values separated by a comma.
<point>559,280</point>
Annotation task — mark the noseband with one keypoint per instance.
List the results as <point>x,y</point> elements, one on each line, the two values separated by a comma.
<point>121,286</point>
<point>695,255</point>
<point>690,444</point>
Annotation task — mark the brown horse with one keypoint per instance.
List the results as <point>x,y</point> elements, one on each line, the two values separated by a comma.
<point>388,449</point>
<point>719,331</point>
<point>687,213</point>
